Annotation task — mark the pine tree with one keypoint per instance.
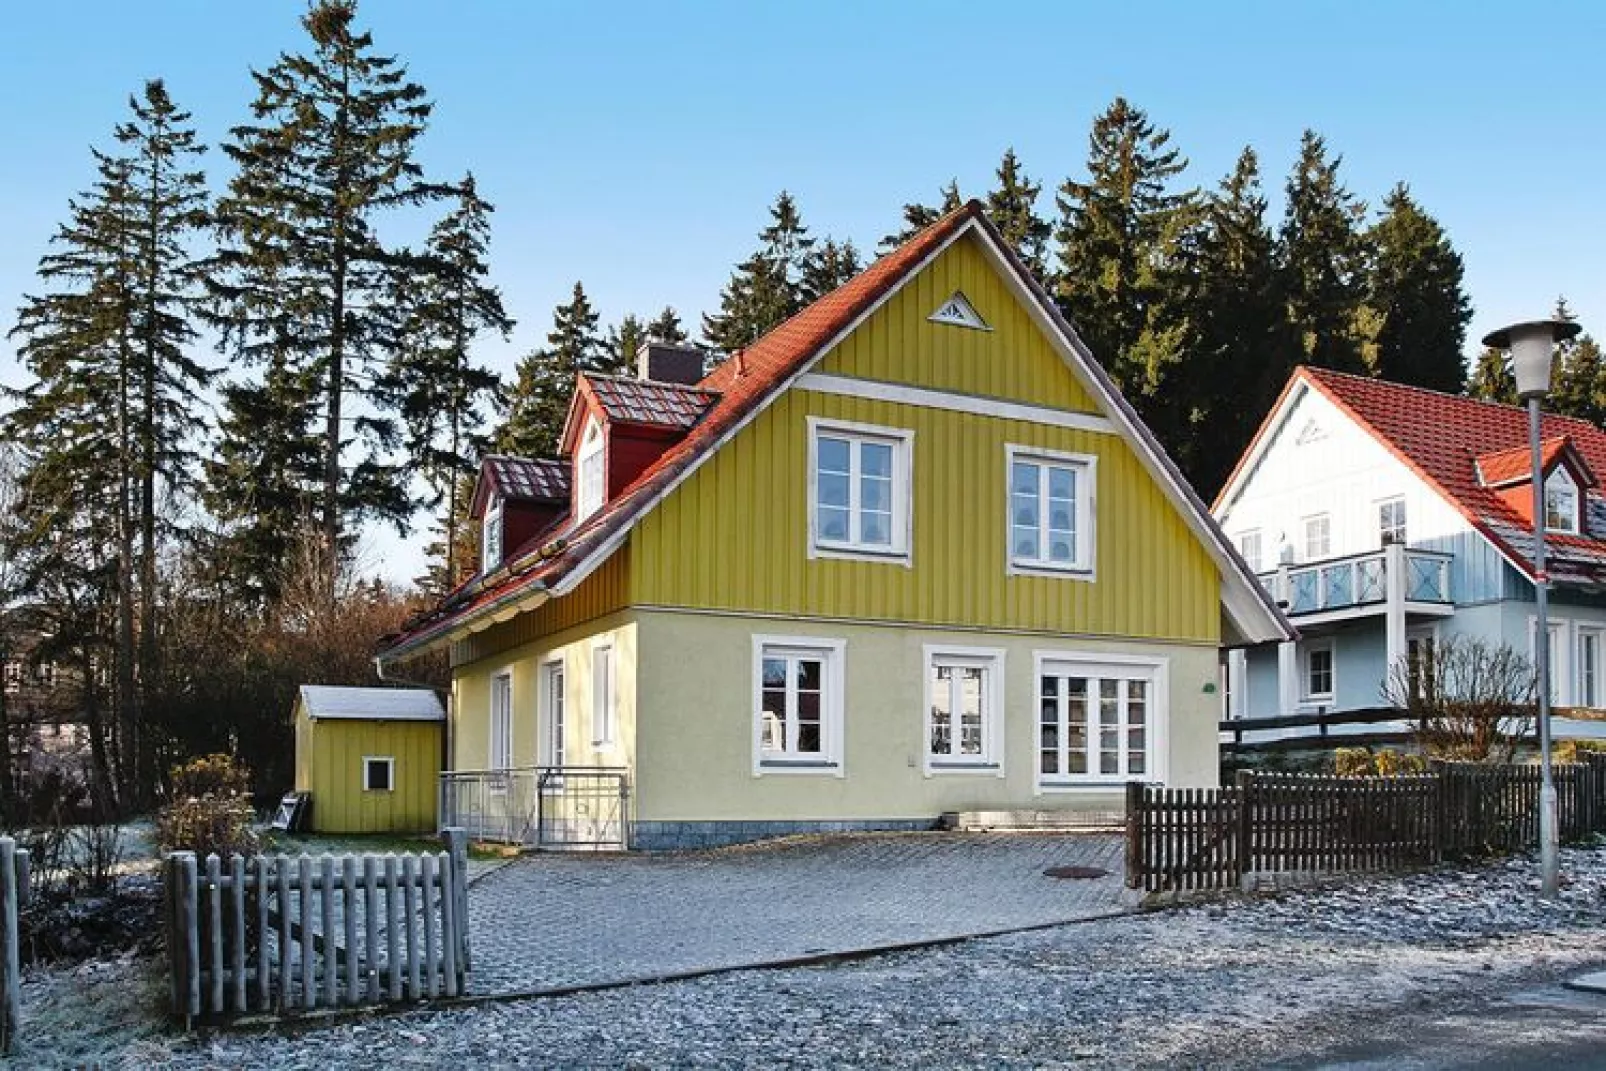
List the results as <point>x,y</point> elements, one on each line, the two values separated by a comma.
<point>666,328</point>
<point>109,424</point>
<point>1577,386</point>
<point>303,277</point>
<point>539,400</point>
<point>1415,289</point>
<point>1012,206</point>
<point>1323,257</point>
<point>438,390</point>
<point>767,287</point>
<point>1110,231</point>
<point>1492,379</point>
<point>827,266</point>
<point>625,340</point>
<point>917,217</point>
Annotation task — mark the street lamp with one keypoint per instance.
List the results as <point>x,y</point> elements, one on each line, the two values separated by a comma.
<point>1533,349</point>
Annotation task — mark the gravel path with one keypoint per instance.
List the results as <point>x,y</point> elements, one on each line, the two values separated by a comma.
<point>1226,984</point>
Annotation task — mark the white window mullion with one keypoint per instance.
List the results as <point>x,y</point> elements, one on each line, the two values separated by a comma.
<point>855,500</point>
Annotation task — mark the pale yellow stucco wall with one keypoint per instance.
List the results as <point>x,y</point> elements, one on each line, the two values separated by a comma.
<point>695,740</point>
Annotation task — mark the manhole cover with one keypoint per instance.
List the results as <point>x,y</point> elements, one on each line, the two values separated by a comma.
<point>1076,873</point>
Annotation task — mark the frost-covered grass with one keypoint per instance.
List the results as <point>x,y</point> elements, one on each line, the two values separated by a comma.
<point>1236,982</point>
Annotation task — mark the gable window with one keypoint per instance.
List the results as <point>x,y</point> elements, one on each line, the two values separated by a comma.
<point>963,708</point>
<point>859,490</point>
<point>1050,511</point>
<point>491,536</point>
<point>797,705</point>
<point>1318,676</point>
<point>1097,721</point>
<point>1249,545</point>
<point>378,773</point>
<point>603,706</point>
<point>592,476</point>
<point>500,746</point>
<point>1561,501</point>
<point>1318,537</point>
<point>1391,521</point>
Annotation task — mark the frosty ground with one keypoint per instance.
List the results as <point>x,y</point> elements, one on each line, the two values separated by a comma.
<point>1279,979</point>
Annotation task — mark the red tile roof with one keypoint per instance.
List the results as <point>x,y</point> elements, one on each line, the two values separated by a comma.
<point>639,401</point>
<point>738,387</point>
<point>1441,437</point>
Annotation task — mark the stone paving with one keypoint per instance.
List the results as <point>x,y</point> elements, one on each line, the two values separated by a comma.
<point>554,920</point>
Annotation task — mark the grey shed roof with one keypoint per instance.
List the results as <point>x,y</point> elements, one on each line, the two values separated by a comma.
<point>376,704</point>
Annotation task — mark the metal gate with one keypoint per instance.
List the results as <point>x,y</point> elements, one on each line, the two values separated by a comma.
<point>563,808</point>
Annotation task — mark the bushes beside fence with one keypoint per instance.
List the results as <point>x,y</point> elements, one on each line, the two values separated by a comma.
<point>1183,839</point>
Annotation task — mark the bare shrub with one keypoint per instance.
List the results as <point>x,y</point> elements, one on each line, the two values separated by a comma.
<point>1472,701</point>
<point>210,811</point>
<point>96,853</point>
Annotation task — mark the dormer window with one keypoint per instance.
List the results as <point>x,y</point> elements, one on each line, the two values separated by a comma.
<point>589,462</point>
<point>491,536</point>
<point>1561,501</point>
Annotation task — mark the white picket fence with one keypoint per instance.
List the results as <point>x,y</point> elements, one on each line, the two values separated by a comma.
<point>286,933</point>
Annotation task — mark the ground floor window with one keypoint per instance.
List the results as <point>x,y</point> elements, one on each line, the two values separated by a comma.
<point>552,685</point>
<point>963,708</point>
<point>797,704</point>
<point>1096,721</point>
<point>1318,675</point>
<point>1589,667</point>
<point>378,773</point>
<point>500,750</point>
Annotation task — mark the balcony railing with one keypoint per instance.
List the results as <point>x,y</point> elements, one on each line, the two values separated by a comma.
<point>568,807</point>
<point>1359,581</point>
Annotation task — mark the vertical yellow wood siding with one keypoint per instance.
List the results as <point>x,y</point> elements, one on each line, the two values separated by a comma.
<point>735,535</point>
<point>603,592</point>
<point>339,804</point>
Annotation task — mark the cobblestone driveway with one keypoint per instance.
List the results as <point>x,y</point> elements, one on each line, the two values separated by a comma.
<point>553,920</point>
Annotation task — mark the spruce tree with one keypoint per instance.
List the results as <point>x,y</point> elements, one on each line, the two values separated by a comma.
<point>1323,258</point>
<point>438,389</point>
<point>1111,232</point>
<point>917,217</point>
<point>303,277</point>
<point>624,341</point>
<point>1012,206</point>
<point>767,287</point>
<point>666,327</point>
<point>544,384</point>
<point>827,266</point>
<point>1415,289</point>
<point>1492,379</point>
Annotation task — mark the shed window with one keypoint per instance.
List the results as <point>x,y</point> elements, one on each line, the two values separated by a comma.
<point>378,773</point>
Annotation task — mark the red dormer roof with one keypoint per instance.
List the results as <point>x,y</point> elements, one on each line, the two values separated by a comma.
<point>669,406</point>
<point>1444,437</point>
<point>521,479</point>
<point>1504,467</point>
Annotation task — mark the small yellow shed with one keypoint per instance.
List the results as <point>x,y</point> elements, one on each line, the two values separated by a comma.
<point>370,757</point>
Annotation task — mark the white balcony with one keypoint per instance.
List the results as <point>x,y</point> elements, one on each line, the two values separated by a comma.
<point>1338,589</point>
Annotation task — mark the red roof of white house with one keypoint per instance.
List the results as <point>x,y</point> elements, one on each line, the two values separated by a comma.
<point>1443,437</point>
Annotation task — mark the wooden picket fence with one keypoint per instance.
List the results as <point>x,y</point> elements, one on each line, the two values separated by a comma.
<point>15,881</point>
<point>290,933</point>
<point>1187,839</point>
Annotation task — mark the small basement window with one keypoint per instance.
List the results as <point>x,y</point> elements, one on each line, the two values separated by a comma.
<point>378,773</point>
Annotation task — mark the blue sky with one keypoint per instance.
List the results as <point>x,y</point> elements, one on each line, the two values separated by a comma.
<point>636,146</point>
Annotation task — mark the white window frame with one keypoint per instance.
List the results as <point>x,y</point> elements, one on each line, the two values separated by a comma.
<point>1082,567</point>
<point>900,549</point>
<point>504,731</point>
<point>990,660</point>
<point>1248,539</point>
<point>1560,663</point>
<point>1307,525</point>
<point>590,480</point>
<point>1101,665</point>
<point>1399,525</point>
<point>604,694</point>
<point>831,760</point>
<point>13,675</point>
<point>389,762</point>
<point>491,549</point>
<point>554,711</point>
<point>1307,649</point>
<point>1562,481</point>
<point>1588,692</point>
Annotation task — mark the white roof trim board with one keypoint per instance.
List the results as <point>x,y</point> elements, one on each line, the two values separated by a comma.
<point>371,704</point>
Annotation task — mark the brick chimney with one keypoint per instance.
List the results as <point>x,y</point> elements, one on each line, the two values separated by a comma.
<point>669,362</point>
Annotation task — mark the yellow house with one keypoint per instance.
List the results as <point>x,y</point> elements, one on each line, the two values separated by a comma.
<point>910,553</point>
<point>370,757</point>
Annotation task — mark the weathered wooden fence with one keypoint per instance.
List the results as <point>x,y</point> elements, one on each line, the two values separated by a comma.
<point>286,933</point>
<point>1185,839</point>
<point>14,889</point>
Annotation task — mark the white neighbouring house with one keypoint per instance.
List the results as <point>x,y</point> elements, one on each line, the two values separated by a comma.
<point>1385,517</point>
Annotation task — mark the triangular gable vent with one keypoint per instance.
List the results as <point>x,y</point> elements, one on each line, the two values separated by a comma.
<point>959,312</point>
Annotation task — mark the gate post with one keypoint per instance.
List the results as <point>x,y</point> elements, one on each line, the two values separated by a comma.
<point>1134,834</point>
<point>455,839</point>
<point>1246,826</point>
<point>13,864</point>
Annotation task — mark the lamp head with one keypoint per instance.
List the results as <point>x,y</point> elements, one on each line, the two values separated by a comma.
<point>1533,348</point>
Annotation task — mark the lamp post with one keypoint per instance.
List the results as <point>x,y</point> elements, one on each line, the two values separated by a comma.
<point>1533,349</point>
